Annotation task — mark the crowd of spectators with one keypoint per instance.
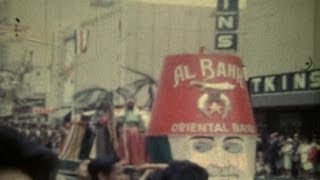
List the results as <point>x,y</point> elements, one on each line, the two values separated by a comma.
<point>51,136</point>
<point>288,156</point>
<point>278,155</point>
<point>24,159</point>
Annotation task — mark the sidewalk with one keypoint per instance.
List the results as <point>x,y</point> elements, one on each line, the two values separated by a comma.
<point>283,178</point>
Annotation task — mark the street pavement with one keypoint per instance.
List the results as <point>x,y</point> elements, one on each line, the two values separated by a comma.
<point>284,178</point>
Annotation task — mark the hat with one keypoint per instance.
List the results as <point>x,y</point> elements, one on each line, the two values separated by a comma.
<point>273,135</point>
<point>89,113</point>
<point>289,140</point>
<point>202,94</point>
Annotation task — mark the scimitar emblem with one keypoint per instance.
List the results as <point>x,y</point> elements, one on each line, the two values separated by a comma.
<point>214,99</point>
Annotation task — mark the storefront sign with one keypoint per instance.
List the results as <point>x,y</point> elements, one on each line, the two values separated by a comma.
<point>227,23</point>
<point>295,81</point>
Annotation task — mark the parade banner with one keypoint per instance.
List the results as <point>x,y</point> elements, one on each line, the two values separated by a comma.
<point>202,94</point>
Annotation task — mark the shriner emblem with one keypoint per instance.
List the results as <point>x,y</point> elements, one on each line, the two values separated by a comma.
<point>213,99</point>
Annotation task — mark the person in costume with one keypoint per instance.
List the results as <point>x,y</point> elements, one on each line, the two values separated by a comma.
<point>131,147</point>
<point>102,123</point>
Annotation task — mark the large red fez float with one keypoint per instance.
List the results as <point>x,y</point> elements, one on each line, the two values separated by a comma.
<point>202,94</point>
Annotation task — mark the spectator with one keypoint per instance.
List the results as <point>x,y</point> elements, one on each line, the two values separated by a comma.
<point>317,168</point>
<point>106,168</point>
<point>287,151</point>
<point>262,169</point>
<point>306,165</point>
<point>313,155</point>
<point>178,170</point>
<point>24,160</point>
<point>272,153</point>
<point>295,156</point>
<point>279,161</point>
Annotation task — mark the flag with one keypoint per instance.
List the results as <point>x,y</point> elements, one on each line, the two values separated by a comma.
<point>81,41</point>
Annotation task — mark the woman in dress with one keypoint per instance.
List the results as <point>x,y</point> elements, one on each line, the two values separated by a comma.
<point>287,150</point>
<point>306,165</point>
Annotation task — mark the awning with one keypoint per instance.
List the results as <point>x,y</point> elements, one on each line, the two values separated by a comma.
<point>296,98</point>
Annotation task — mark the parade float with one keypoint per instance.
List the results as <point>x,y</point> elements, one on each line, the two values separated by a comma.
<point>202,113</point>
